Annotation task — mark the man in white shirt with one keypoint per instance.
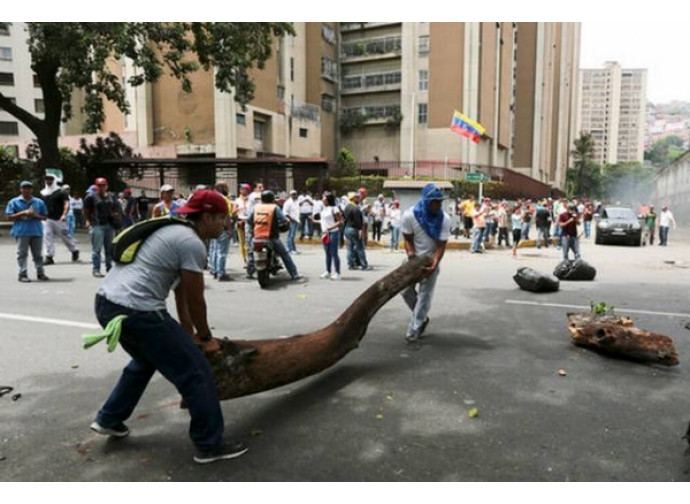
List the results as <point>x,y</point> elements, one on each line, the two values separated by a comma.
<point>291,211</point>
<point>665,220</point>
<point>306,208</point>
<point>426,229</point>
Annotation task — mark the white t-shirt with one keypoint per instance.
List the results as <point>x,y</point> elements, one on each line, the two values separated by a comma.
<point>328,218</point>
<point>423,243</point>
<point>306,204</point>
<point>241,205</point>
<point>395,216</point>
<point>665,218</point>
<point>318,207</point>
<point>291,209</point>
<point>144,284</point>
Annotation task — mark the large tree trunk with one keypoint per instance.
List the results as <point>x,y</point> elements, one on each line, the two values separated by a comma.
<point>263,365</point>
<point>618,337</point>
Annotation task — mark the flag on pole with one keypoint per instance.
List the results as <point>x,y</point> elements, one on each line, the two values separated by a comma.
<point>466,127</point>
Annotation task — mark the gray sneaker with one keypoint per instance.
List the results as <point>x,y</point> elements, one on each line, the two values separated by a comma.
<point>226,451</point>
<point>119,431</point>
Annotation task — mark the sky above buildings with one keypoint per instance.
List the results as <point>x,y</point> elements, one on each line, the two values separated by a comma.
<point>661,48</point>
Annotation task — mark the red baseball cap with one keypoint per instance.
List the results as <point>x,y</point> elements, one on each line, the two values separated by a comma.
<point>100,181</point>
<point>205,201</point>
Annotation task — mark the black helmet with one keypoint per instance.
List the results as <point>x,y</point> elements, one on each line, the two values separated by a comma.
<point>268,197</point>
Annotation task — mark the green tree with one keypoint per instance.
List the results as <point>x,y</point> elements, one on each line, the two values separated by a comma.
<point>665,151</point>
<point>346,162</point>
<point>584,178</point>
<point>74,56</point>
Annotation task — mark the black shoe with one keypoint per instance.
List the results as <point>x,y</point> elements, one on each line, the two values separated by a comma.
<point>24,279</point>
<point>119,431</point>
<point>412,342</point>
<point>97,274</point>
<point>224,278</point>
<point>47,261</point>
<point>43,278</point>
<point>227,450</point>
<point>75,256</point>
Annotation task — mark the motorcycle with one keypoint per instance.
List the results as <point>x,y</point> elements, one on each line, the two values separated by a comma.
<point>266,261</point>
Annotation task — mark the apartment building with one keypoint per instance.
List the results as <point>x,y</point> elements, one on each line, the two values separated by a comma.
<point>613,109</point>
<point>401,83</point>
<point>17,83</point>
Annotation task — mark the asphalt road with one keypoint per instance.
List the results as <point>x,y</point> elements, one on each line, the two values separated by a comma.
<point>383,413</point>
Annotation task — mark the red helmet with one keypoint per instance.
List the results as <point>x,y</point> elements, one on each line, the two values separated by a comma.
<point>100,181</point>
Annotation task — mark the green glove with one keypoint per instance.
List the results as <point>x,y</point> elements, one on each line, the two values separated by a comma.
<point>111,334</point>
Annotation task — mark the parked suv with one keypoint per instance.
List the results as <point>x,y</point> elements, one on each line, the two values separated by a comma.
<point>619,225</point>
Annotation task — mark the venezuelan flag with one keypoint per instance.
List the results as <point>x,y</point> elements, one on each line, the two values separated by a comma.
<point>466,127</point>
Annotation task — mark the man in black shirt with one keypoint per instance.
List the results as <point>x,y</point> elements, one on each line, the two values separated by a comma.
<point>104,217</point>
<point>354,232</point>
<point>57,203</point>
<point>543,222</point>
<point>143,206</point>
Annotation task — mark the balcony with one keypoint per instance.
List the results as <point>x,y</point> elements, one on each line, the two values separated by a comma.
<point>358,117</point>
<point>306,112</point>
<point>372,49</point>
<point>350,27</point>
<point>371,83</point>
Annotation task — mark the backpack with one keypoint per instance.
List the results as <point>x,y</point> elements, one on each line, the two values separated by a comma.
<point>127,243</point>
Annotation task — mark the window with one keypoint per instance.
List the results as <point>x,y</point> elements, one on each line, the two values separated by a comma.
<point>37,82</point>
<point>5,30</point>
<point>327,103</point>
<point>6,79</point>
<point>259,130</point>
<point>241,119</point>
<point>424,80</point>
<point>422,113</point>
<point>5,54</point>
<point>280,91</point>
<point>292,69</point>
<point>303,132</point>
<point>329,69</point>
<point>8,128</point>
<point>424,45</point>
<point>39,106</point>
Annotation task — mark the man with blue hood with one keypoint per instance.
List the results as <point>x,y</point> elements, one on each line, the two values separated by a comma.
<point>426,229</point>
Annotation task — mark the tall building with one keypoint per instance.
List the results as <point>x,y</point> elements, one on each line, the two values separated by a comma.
<point>17,83</point>
<point>613,109</point>
<point>385,90</point>
<point>401,83</point>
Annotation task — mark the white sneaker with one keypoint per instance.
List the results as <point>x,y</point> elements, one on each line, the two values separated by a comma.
<point>335,276</point>
<point>325,275</point>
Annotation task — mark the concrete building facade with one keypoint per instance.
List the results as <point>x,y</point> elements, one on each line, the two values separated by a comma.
<point>612,108</point>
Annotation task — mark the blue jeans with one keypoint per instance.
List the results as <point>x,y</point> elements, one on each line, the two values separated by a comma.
<point>292,233</point>
<point>331,249</point>
<point>478,233</point>
<point>570,242</point>
<point>102,237</point>
<point>543,232</point>
<point>419,301</point>
<point>525,231</point>
<point>395,237</point>
<point>588,228</point>
<point>24,244</point>
<point>663,235</point>
<point>355,248</point>
<point>285,256</point>
<point>157,342</point>
<point>219,253</point>
<point>305,225</point>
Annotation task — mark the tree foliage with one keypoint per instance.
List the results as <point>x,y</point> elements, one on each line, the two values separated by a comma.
<point>665,151</point>
<point>584,178</point>
<point>78,56</point>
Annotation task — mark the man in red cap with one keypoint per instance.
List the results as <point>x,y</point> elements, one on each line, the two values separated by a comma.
<point>172,257</point>
<point>103,214</point>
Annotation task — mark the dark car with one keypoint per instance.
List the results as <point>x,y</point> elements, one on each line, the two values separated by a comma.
<point>618,225</point>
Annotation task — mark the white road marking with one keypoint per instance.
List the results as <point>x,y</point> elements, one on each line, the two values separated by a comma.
<point>580,307</point>
<point>42,320</point>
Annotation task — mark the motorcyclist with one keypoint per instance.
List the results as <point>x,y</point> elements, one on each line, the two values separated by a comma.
<point>266,221</point>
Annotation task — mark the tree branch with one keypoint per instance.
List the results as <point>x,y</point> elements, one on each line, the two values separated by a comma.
<point>31,121</point>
